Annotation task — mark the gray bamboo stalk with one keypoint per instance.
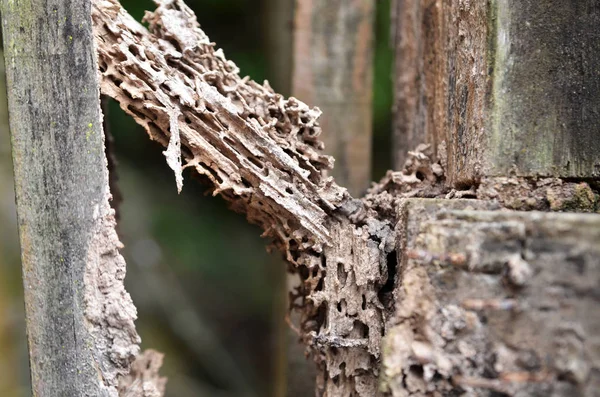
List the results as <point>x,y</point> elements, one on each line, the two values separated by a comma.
<point>79,317</point>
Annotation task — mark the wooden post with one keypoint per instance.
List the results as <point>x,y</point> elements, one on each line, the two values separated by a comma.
<point>279,38</point>
<point>294,374</point>
<point>494,302</point>
<point>79,317</point>
<point>333,55</point>
<point>500,86</point>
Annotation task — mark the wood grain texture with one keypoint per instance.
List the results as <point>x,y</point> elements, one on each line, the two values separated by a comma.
<point>494,302</point>
<point>79,317</point>
<point>545,108</point>
<point>262,153</point>
<point>498,87</point>
<point>333,70</point>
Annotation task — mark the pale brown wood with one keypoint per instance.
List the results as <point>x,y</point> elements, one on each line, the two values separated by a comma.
<point>333,52</point>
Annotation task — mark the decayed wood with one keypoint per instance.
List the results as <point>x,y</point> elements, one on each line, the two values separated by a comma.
<point>79,317</point>
<point>333,52</point>
<point>500,87</point>
<point>261,152</point>
<point>494,302</point>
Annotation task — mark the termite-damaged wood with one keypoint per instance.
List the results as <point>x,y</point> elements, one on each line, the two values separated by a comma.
<point>494,302</point>
<point>500,86</point>
<point>80,328</point>
<point>333,57</point>
<point>262,153</point>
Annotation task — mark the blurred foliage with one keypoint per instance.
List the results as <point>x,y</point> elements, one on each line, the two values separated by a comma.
<point>208,294</point>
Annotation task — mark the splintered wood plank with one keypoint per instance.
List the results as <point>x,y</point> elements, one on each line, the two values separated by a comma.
<point>333,70</point>
<point>500,86</point>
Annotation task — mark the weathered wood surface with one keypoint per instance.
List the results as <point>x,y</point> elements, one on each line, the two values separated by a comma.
<point>500,86</point>
<point>79,317</point>
<point>333,54</point>
<point>494,302</point>
<point>409,38</point>
<point>261,152</point>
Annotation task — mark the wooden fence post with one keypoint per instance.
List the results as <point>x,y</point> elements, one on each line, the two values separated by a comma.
<point>493,302</point>
<point>500,86</point>
<point>79,317</point>
<point>333,70</point>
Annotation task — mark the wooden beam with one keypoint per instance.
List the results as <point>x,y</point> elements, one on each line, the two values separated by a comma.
<point>499,87</point>
<point>494,301</point>
<point>79,317</point>
<point>333,70</point>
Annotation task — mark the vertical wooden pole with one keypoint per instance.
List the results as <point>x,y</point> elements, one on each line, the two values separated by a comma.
<point>79,318</point>
<point>278,30</point>
<point>333,52</point>
<point>417,39</point>
<point>500,87</point>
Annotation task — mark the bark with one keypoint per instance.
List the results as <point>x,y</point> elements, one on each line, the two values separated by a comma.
<point>499,87</point>
<point>79,317</point>
<point>333,69</point>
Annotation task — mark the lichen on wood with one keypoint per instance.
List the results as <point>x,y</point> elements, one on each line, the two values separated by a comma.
<point>499,87</point>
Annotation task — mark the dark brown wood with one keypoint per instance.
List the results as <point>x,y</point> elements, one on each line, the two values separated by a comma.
<point>333,52</point>
<point>500,87</point>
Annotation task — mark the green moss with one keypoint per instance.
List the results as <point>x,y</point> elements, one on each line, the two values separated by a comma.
<point>574,198</point>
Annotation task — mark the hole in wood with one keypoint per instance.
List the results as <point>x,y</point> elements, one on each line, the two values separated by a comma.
<point>341,273</point>
<point>385,294</point>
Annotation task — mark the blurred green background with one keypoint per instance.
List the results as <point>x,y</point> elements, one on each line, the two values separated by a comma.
<point>208,294</point>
